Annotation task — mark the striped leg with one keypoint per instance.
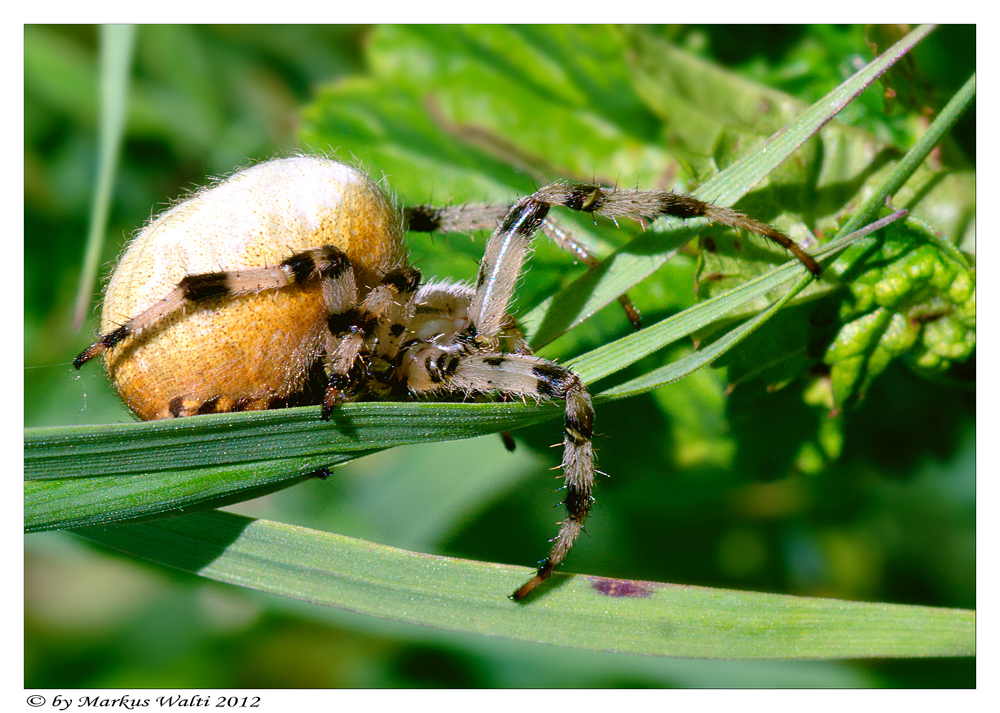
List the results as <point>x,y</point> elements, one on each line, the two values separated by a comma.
<point>500,268</point>
<point>376,325</point>
<point>453,219</point>
<point>533,377</point>
<point>505,250</point>
<point>629,203</point>
<point>508,246</point>
<point>327,263</point>
<point>480,216</point>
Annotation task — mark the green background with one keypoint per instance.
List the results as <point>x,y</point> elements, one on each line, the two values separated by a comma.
<point>697,495</point>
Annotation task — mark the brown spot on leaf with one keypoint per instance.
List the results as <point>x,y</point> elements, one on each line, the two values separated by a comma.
<point>622,587</point>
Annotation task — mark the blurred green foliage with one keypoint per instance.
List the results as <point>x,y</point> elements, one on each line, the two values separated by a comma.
<point>754,489</point>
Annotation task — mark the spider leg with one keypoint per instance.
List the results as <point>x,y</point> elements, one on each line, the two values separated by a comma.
<point>328,263</point>
<point>500,268</point>
<point>453,219</point>
<point>377,325</point>
<point>507,248</point>
<point>480,216</point>
<point>399,288</point>
<point>566,241</point>
<point>434,368</point>
<point>630,203</point>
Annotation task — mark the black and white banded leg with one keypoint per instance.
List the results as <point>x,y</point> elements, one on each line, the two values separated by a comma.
<point>508,245</point>
<point>374,327</point>
<point>635,204</point>
<point>480,216</point>
<point>328,264</point>
<point>499,271</point>
<point>523,375</point>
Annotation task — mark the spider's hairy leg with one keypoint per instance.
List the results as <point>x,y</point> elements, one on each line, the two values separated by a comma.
<point>505,253</point>
<point>326,263</point>
<point>397,295</point>
<point>378,323</point>
<point>635,204</point>
<point>566,241</point>
<point>435,368</point>
<point>395,308</point>
<point>577,463</point>
<point>453,219</point>
<point>481,216</point>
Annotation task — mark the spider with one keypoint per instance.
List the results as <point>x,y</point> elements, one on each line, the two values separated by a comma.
<point>287,284</point>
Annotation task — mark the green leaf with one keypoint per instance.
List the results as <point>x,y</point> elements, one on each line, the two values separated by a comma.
<point>99,474</point>
<point>576,611</point>
<point>912,294</point>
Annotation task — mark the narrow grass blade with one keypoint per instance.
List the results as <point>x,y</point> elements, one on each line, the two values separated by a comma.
<point>570,610</point>
<point>644,255</point>
<point>621,353</point>
<point>691,363</point>
<point>102,499</point>
<point>617,355</point>
<point>116,44</point>
<point>955,107</point>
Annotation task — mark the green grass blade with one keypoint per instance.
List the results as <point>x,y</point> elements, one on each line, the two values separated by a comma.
<point>619,354</point>
<point>730,185</point>
<point>97,500</point>
<point>240,439</point>
<point>644,255</point>
<point>116,45</point>
<point>572,610</point>
<point>693,362</point>
<point>907,166</point>
<point>98,474</point>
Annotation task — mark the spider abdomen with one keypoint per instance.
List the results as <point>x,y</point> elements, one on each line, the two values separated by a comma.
<point>224,351</point>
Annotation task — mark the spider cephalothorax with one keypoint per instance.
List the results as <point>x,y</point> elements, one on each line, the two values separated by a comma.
<point>287,284</point>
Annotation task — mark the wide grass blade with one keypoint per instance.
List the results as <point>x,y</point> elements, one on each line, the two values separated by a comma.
<point>570,610</point>
<point>98,474</point>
